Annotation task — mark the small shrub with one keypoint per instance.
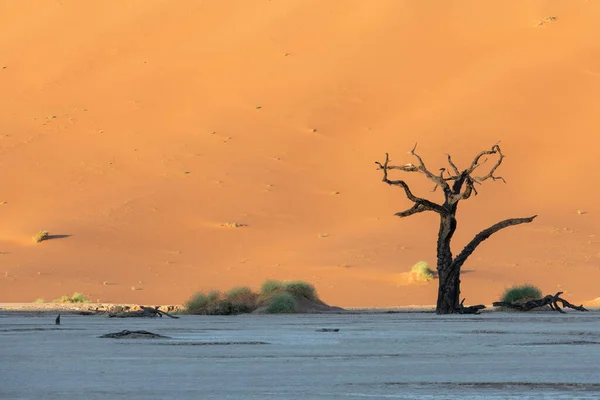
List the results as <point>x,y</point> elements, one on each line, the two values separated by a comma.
<point>301,289</point>
<point>421,272</point>
<point>242,299</point>
<point>271,286</point>
<point>226,307</point>
<point>41,236</point>
<point>239,294</point>
<point>79,298</point>
<point>39,300</point>
<point>521,294</point>
<point>76,298</point>
<point>200,301</point>
<point>282,303</point>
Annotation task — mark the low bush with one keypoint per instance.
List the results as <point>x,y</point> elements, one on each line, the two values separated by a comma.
<point>200,301</point>
<point>270,287</point>
<point>301,289</point>
<point>282,303</point>
<point>276,296</point>
<point>75,298</point>
<point>521,294</point>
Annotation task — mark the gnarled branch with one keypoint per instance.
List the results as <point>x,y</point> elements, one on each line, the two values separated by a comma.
<point>483,235</point>
<point>420,203</point>
<point>490,175</point>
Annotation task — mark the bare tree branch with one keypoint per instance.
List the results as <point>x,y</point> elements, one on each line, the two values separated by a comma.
<point>483,235</point>
<point>490,175</point>
<point>438,180</point>
<point>417,208</point>
<point>424,204</point>
<point>454,167</point>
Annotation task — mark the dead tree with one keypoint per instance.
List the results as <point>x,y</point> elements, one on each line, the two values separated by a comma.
<point>457,185</point>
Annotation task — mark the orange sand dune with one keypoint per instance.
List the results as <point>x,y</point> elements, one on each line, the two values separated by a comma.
<point>139,127</point>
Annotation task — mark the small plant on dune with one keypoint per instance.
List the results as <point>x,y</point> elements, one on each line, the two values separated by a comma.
<point>233,225</point>
<point>200,301</point>
<point>75,298</point>
<point>301,289</point>
<point>242,299</point>
<point>521,294</point>
<point>239,293</point>
<point>282,303</point>
<point>39,300</point>
<point>79,298</point>
<point>421,272</point>
<point>41,236</point>
<point>271,286</point>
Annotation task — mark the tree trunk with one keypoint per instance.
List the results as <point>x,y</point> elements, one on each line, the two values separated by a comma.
<point>448,278</point>
<point>448,292</point>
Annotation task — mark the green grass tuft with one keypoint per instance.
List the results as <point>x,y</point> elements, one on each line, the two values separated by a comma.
<point>39,300</point>
<point>282,303</point>
<point>270,287</point>
<point>301,289</point>
<point>421,272</point>
<point>521,294</point>
<point>200,301</point>
<point>75,298</point>
<point>239,293</point>
<point>79,298</point>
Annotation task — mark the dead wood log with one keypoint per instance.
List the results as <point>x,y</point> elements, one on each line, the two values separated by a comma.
<point>548,300</point>
<point>461,309</point>
<point>145,312</point>
<point>125,334</point>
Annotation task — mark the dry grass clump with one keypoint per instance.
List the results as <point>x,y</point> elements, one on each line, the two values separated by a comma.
<point>420,272</point>
<point>75,298</point>
<point>282,303</point>
<point>41,236</point>
<point>274,297</point>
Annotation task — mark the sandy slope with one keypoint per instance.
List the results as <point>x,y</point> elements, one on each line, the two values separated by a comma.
<point>133,127</point>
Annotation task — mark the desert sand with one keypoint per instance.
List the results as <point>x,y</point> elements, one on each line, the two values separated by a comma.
<point>135,131</point>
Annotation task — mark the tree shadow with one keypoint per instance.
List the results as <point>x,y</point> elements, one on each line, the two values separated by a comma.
<point>50,237</point>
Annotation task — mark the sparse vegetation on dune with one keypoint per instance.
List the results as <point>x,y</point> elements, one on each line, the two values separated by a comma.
<point>300,289</point>
<point>41,236</point>
<point>421,272</point>
<point>275,297</point>
<point>200,301</point>
<point>282,303</point>
<point>271,286</point>
<point>75,298</point>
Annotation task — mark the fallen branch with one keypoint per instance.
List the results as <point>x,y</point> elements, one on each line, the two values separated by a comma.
<point>145,312</point>
<point>470,309</point>
<point>548,300</point>
<point>133,335</point>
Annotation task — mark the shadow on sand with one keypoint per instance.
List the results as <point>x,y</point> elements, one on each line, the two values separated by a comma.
<point>50,237</point>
